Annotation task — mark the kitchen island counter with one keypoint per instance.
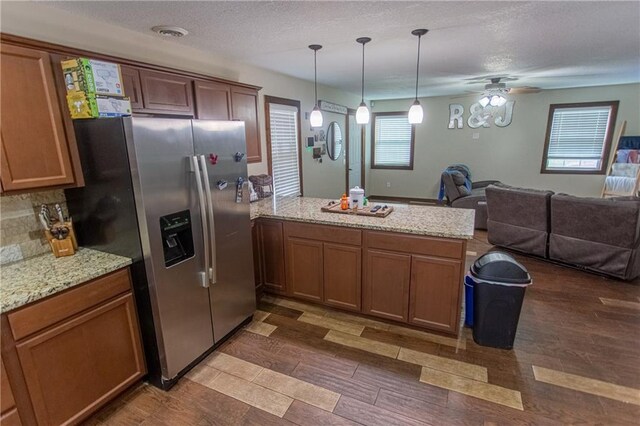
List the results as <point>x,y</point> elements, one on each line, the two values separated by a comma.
<point>431,221</point>
<point>33,279</point>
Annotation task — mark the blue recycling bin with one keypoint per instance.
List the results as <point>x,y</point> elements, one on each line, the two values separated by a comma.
<point>468,301</point>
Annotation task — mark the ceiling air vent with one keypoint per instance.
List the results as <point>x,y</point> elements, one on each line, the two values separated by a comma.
<point>169,31</point>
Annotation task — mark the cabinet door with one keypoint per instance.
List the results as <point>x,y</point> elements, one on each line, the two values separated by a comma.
<point>132,87</point>
<point>436,286</point>
<point>272,256</point>
<point>304,268</point>
<point>213,100</point>
<point>166,93</point>
<point>255,245</point>
<point>72,369</point>
<point>9,413</point>
<point>35,151</point>
<point>244,104</point>
<point>386,284</point>
<point>342,276</point>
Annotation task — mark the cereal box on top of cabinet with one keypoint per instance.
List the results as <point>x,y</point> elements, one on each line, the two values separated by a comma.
<point>92,77</point>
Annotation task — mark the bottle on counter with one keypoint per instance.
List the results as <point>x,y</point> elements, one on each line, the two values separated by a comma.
<point>344,202</point>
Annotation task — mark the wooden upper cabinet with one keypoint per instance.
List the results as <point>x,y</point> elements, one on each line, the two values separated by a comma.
<point>213,100</point>
<point>244,107</point>
<point>35,148</point>
<point>435,293</point>
<point>166,93</point>
<point>132,86</point>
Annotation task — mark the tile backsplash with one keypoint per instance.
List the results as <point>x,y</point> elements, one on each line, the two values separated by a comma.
<point>21,233</point>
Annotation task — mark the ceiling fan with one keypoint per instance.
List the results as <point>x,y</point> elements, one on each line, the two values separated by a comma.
<point>495,91</point>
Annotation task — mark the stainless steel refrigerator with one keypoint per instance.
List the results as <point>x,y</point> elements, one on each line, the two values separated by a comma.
<point>171,194</point>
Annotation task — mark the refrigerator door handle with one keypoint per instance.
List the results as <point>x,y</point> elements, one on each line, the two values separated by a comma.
<point>204,276</point>
<point>213,278</point>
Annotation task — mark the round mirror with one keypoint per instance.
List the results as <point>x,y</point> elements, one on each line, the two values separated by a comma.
<point>334,140</point>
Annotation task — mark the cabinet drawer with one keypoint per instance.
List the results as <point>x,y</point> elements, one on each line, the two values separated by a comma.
<point>332,234</point>
<point>440,247</point>
<point>40,315</point>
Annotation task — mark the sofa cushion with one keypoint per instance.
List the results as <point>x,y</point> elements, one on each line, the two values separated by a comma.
<point>612,221</point>
<point>521,207</point>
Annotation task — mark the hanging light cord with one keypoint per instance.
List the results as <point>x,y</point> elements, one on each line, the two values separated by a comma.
<point>315,74</point>
<point>362,72</point>
<point>418,66</point>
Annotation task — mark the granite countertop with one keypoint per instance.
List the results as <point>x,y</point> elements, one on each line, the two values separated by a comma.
<point>32,279</point>
<point>433,221</point>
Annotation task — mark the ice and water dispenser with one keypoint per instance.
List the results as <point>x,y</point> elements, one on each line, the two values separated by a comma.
<point>177,238</point>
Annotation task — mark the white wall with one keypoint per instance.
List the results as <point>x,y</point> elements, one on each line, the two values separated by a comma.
<point>41,22</point>
<point>511,154</point>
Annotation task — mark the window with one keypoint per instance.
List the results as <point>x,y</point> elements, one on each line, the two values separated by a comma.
<point>579,137</point>
<point>283,140</point>
<point>392,141</point>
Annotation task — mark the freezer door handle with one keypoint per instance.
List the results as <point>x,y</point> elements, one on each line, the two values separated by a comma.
<point>204,281</point>
<point>212,225</point>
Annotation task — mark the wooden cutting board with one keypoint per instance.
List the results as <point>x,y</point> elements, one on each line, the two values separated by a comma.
<point>365,211</point>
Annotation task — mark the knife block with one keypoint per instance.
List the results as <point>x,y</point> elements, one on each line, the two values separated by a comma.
<point>66,247</point>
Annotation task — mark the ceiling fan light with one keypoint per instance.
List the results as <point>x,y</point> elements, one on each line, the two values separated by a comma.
<point>484,101</point>
<point>362,114</point>
<point>502,101</point>
<point>495,100</point>
<point>315,119</point>
<point>416,113</point>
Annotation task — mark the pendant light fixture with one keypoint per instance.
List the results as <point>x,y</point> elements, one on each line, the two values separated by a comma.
<point>315,119</point>
<point>415,112</point>
<point>362,113</point>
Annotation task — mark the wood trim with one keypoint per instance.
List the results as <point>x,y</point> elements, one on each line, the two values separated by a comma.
<point>607,140</point>
<point>293,103</point>
<point>373,141</point>
<point>66,50</point>
<point>350,112</point>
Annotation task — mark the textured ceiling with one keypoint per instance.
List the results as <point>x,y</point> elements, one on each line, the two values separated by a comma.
<point>546,44</point>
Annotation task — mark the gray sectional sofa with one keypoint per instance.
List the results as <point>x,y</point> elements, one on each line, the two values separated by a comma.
<point>600,235</point>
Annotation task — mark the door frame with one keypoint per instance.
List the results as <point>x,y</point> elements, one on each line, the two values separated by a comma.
<point>351,111</point>
<point>289,102</point>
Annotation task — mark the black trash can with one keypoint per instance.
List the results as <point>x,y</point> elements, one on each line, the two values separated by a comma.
<point>499,286</point>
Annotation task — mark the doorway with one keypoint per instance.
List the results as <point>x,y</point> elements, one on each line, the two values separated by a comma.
<point>354,163</point>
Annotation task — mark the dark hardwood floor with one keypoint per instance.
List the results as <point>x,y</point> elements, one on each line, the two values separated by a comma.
<point>576,359</point>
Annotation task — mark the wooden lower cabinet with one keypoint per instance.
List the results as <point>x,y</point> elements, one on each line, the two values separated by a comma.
<point>406,278</point>
<point>342,276</point>
<point>8,413</point>
<point>386,285</point>
<point>271,244</point>
<point>75,367</point>
<point>435,293</point>
<point>305,273</point>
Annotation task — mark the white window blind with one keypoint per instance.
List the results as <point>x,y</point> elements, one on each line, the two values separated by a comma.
<point>392,141</point>
<point>284,149</point>
<point>577,138</point>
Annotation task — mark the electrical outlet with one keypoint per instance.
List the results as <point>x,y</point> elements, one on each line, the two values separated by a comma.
<point>388,184</point>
